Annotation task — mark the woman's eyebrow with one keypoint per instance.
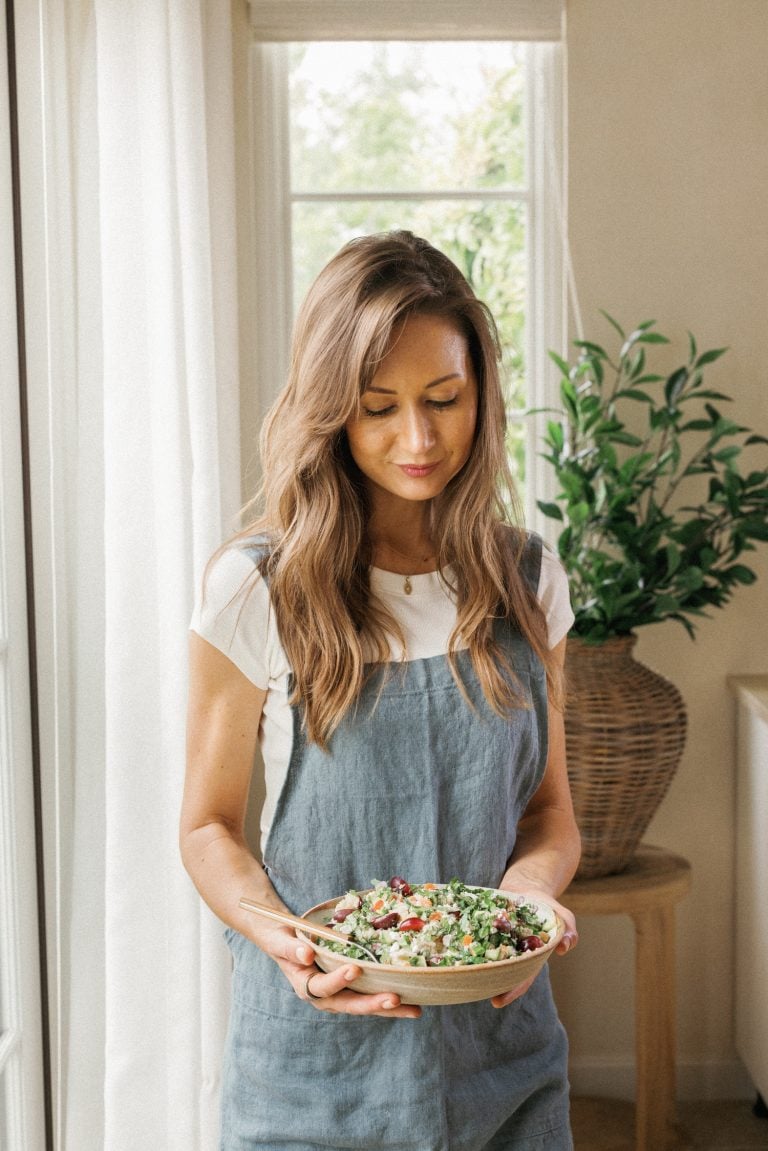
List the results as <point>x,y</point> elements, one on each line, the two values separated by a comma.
<point>433,384</point>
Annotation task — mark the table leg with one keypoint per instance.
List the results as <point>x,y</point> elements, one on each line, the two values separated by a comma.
<point>655,1027</point>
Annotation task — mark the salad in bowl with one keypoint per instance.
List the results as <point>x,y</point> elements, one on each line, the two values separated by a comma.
<point>436,943</point>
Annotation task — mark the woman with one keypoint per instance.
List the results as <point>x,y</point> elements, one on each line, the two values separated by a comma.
<point>395,647</point>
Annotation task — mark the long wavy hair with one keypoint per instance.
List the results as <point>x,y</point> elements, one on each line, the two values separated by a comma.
<point>314,509</point>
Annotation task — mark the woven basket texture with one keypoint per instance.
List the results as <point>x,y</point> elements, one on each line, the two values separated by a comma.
<point>625,731</point>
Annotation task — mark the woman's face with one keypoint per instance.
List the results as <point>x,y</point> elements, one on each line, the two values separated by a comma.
<point>417,421</point>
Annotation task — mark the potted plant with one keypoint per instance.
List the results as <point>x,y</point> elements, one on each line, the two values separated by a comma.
<point>657,518</point>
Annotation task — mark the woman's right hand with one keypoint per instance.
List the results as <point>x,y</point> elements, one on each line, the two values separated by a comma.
<point>326,991</point>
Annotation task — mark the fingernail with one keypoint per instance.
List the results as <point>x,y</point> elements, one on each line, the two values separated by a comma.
<point>350,973</point>
<point>388,1004</point>
<point>305,955</point>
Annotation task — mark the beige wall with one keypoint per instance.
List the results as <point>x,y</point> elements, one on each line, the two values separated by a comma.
<point>668,199</point>
<point>668,155</point>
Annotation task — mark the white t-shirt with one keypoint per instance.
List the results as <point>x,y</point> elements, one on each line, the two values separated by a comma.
<point>235,615</point>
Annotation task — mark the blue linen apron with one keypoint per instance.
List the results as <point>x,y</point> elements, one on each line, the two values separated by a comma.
<point>418,784</point>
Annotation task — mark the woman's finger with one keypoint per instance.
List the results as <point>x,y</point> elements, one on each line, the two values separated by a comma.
<point>571,935</point>
<point>510,996</point>
<point>282,943</point>
<point>330,992</point>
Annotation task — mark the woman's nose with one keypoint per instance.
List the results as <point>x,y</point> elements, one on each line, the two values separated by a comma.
<point>418,433</point>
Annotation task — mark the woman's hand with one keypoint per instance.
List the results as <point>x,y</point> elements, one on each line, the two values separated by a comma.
<point>568,941</point>
<point>327,992</point>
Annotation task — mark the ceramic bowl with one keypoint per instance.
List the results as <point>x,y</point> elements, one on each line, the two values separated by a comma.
<point>436,985</point>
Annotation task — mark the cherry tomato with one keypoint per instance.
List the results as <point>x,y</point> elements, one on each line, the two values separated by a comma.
<point>398,884</point>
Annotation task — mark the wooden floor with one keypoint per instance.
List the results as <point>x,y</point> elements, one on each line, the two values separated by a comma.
<point>608,1125</point>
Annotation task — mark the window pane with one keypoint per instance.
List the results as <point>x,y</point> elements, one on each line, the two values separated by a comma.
<point>485,239</point>
<point>406,116</point>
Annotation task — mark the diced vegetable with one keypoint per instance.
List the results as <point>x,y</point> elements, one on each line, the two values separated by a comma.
<point>437,925</point>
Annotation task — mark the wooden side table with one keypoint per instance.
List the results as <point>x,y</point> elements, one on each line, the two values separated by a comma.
<point>647,891</point>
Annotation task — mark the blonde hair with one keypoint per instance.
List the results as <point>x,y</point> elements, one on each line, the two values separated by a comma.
<point>314,507</point>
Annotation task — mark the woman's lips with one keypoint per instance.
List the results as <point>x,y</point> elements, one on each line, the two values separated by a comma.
<point>417,471</point>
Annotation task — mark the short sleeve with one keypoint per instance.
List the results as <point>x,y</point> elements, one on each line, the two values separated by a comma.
<point>232,612</point>
<point>554,597</point>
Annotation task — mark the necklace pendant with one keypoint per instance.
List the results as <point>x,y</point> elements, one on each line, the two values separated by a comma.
<point>407,586</point>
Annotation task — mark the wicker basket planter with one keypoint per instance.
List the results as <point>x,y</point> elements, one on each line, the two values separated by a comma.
<point>625,729</point>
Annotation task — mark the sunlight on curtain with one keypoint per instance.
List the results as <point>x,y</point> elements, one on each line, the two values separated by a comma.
<point>142,970</point>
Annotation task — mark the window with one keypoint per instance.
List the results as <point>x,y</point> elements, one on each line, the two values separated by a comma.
<point>456,140</point>
<point>425,136</point>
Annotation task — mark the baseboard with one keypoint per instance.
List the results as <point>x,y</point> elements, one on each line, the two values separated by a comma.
<point>612,1079</point>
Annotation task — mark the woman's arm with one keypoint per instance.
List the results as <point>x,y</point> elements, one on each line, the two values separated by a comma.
<point>548,844</point>
<point>222,732</point>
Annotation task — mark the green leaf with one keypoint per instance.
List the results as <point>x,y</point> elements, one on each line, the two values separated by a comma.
<point>706,394</point>
<point>636,394</point>
<point>588,346</point>
<point>685,622</point>
<point>664,605</point>
<point>570,402</point>
<point>674,386</point>
<point>614,324</point>
<point>710,356</point>
<point>690,578</point>
<point>625,438</point>
<point>740,574</point>
<point>755,439</point>
<point>562,364</point>
<point>725,455</point>
<point>637,365</point>
<point>579,513</point>
<point>652,338</point>
<point>692,346</point>
<point>556,435</point>
<point>554,511</point>
<point>674,557</point>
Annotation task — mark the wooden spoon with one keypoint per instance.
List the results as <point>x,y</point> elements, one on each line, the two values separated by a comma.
<point>304,925</point>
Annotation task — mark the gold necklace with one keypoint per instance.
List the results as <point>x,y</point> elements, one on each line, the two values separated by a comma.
<point>407,585</point>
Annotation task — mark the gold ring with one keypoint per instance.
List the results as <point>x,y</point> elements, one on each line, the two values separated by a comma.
<point>306,989</point>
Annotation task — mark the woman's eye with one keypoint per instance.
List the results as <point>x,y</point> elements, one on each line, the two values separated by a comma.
<point>378,411</point>
<point>436,405</point>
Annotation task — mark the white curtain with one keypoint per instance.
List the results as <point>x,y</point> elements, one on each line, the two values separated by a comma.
<point>140,407</point>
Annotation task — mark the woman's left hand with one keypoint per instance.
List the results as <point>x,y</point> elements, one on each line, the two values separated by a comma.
<point>569,940</point>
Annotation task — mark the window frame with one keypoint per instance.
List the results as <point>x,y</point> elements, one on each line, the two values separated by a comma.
<point>22,1071</point>
<point>268,232</point>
